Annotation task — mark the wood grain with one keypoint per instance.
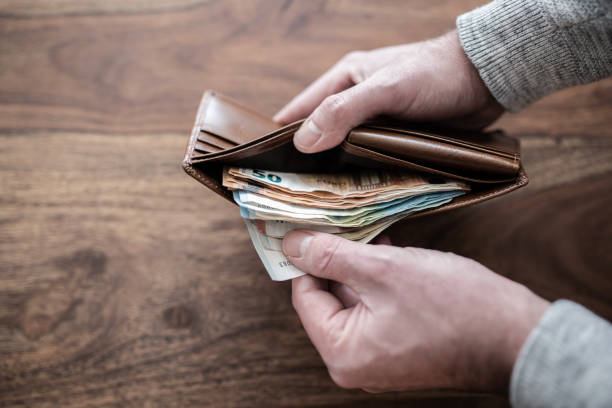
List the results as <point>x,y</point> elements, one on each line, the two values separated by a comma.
<point>125,283</point>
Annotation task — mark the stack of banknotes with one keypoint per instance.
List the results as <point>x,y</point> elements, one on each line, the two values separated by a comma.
<point>356,206</point>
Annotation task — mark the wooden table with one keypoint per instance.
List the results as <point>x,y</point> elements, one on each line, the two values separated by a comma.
<point>123,282</point>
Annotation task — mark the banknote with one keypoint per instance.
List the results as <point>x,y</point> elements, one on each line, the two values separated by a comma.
<point>269,249</point>
<point>261,208</point>
<point>356,206</point>
<point>278,228</point>
<point>341,184</point>
<point>291,188</point>
<point>276,263</point>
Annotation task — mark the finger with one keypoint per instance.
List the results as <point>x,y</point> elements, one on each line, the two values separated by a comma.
<point>331,121</point>
<point>347,296</point>
<point>334,80</point>
<point>318,309</point>
<point>331,257</point>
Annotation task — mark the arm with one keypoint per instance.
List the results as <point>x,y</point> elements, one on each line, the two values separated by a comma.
<point>524,50</point>
<point>527,49</point>
<point>565,362</point>
<point>511,53</point>
<point>415,319</point>
<point>387,319</point>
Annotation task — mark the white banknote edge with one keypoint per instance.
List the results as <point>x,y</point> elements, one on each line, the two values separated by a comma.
<point>276,263</point>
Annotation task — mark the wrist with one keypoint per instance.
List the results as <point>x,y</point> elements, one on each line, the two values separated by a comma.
<point>524,314</point>
<point>532,311</point>
<point>481,93</point>
<point>480,108</point>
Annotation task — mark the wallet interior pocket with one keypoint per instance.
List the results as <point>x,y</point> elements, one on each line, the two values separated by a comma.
<point>486,157</point>
<point>364,157</point>
<point>278,153</point>
<point>226,134</point>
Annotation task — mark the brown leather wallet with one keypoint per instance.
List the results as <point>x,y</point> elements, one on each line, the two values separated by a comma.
<point>226,133</point>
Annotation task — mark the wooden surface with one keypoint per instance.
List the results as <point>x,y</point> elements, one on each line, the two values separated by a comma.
<point>125,283</point>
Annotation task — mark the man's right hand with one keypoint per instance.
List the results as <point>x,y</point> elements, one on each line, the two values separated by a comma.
<point>430,80</point>
<point>385,318</point>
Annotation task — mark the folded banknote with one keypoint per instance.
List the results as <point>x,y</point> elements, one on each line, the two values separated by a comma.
<point>356,206</point>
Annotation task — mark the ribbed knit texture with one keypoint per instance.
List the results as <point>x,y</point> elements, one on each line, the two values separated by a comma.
<point>565,362</point>
<point>526,49</point>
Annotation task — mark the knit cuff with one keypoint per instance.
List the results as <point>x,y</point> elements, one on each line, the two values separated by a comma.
<point>527,49</point>
<point>565,362</point>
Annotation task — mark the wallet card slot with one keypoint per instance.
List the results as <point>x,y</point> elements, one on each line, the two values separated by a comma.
<point>203,147</point>
<point>254,147</point>
<point>216,141</point>
<point>281,156</point>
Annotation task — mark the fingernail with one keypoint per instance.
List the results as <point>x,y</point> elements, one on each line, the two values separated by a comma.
<point>277,117</point>
<point>308,134</point>
<point>296,243</point>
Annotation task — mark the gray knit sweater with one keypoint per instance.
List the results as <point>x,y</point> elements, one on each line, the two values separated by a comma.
<point>526,49</point>
<point>523,50</point>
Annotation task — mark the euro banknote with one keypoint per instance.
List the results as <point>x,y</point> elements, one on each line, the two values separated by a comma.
<point>259,207</point>
<point>276,263</point>
<point>335,191</point>
<point>356,206</point>
<point>269,250</point>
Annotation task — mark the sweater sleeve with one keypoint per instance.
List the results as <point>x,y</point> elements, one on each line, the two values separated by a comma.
<point>565,362</point>
<point>526,49</point>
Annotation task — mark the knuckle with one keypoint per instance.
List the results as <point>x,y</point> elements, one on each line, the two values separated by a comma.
<point>335,105</point>
<point>336,343</point>
<point>352,63</point>
<point>387,84</point>
<point>330,251</point>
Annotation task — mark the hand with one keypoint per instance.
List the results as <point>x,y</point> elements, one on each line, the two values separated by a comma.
<point>385,318</point>
<point>430,80</point>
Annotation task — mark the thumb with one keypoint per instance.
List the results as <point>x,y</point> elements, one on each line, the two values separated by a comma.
<point>331,121</point>
<point>328,256</point>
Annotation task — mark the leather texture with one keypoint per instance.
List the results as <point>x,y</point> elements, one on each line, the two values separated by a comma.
<point>226,133</point>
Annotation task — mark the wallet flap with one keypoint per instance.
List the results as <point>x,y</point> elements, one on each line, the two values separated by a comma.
<point>493,142</point>
<point>225,119</point>
<point>491,153</point>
